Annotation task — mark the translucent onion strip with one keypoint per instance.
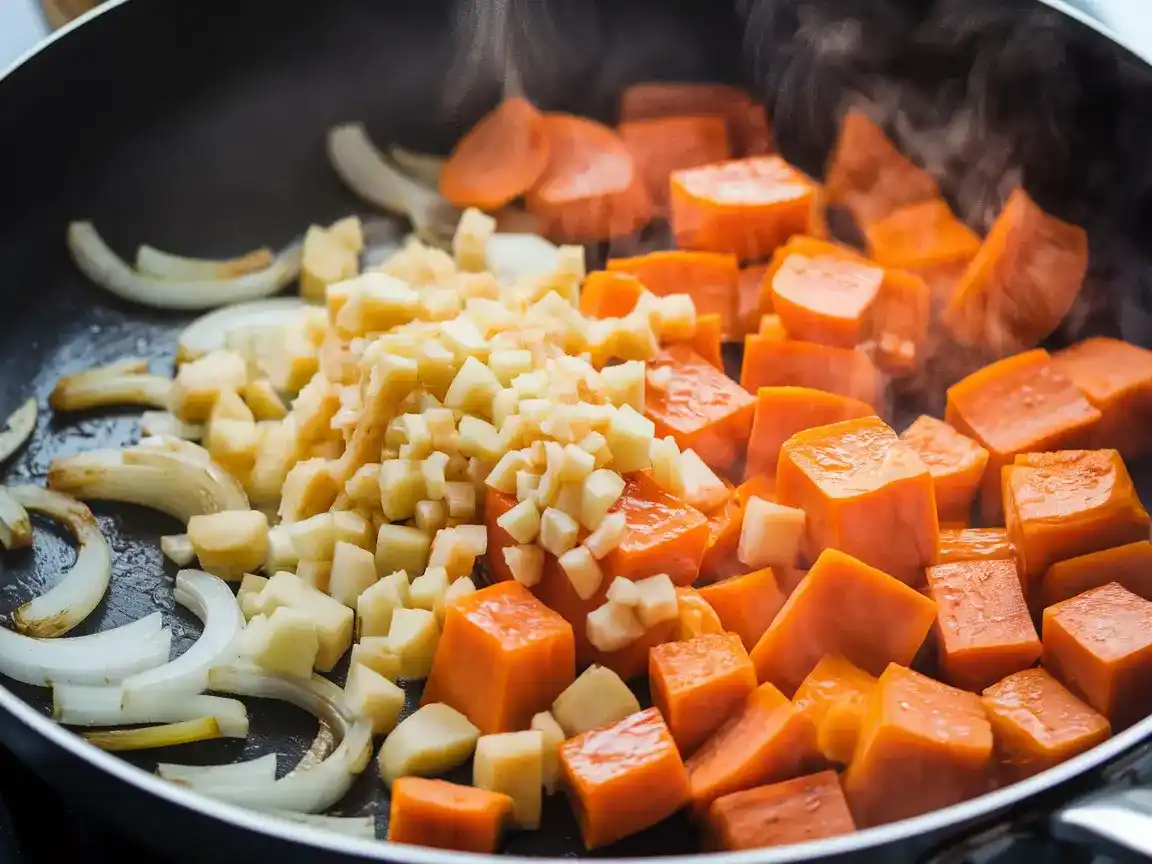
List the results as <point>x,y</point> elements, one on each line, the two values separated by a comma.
<point>104,267</point>
<point>15,526</point>
<point>81,705</point>
<point>351,826</point>
<point>177,268</point>
<point>151,737</point>
<point>259,770</point>
<point>210,332</point>
<point>164,423</point>
<point>17,429</point>
<point>420,166</point>
<point>73,598</point>
<point>99,389</point>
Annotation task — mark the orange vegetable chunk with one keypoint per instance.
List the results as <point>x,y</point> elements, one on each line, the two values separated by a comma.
<point>746,207</point>
<point>709,277</point>
<point>921,237</point>
<point>844,607</point>
<point>1038,723</point>
<point>767,740</point>
<point>757,486</point>
<point>747,122</point>
<point>665,144</point>
<point>503,657</point>
<point>861,486</point>
<point>609,294</point>
<point>826,300</point>
<point>795,811</point>
<point>974,544</point>
<point>772,362</point>
<point>695,617</point>
<point>923,746</point>
<point>707,339</point>
<point>1072,502</point>
<point>1129,565</point>
<point>748,299</point>
<point>662,534</point>
<point>833,698</point>
<point>696,684</point>
<point>724,526</point>
<point>446,815</point>
<point>1017,405</point>
<point>746,604</point>
<point>1099,644</point>
<point>772,328</point>
<point>806,246</point>
<point>781,412</point>
<point>900,321</point>
<point>1116,377</point>
<point>623,778</point>
<point>983,628</point>
<point>701,407</point>
<point>955,461</point>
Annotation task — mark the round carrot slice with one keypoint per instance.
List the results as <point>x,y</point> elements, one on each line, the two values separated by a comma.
<point>499,159</point>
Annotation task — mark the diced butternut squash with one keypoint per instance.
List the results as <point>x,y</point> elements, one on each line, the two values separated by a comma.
<point>700,407</point>
<point>758,486</point>
<point>1129,565</point>
<point>445,815</point>
<point>861,486</point>
<point>1099,644</point>
<point>707,339</point>
<point>746,121</point>
<point>662,145</point>
<point>771,362</point>
<point>767,740</point>
<point>845,607</point>
<point>623,778</point>
<point>835,685</point>
<point>921,237</point>
<point>609,294</point>
<point>983,628</point>
<point>1020,404</point>
<point>956,464</point>
<point>696,685</point>
<point>974,544</point>
<point>795,811</point>
<point>828,300</point>
<point>746,604</point>
<point>724,525</point>
<point>520,655</point>
<point>805,246</point>
<point>900,320</point>
<point>708,278</point>
<point>748,300</point>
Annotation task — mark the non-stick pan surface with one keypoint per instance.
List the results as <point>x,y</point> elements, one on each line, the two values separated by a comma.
<point>199,128</point>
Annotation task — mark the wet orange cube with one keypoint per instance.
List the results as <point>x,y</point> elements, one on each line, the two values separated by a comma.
<point>773,362</point>
<point>1129,565</point>
<point>697,683</point>
<point>795,811</point>
<point>503,657</point>
<point>1099,644</point>
<point>984,631</point>
<point>1020,404</point>
<point>724,525</point>
<point>623,778</point>
<point>974,544</point>
<point>445,815</point>
<point>1038,723</point>
<point>861,487</point>
<point>826,299</point>
<point>921,237</point>
<point>710,278</point>
<point>746,604</point>
<point>609,294</point>
<point>955,461</point>
<point>924,745</point>
<point>833,697</point>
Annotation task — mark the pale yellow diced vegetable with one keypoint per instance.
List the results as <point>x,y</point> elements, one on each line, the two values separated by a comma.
<point>552,736</point>
<point>247,595</point>
<point>598,697</point>
<point>400,547</point>
<point>461,500</point>
<point>569,499</point>
<point>456,549</point>
<point>479,439</point>
<point>471,240</point>
<point>771,535</point>
<point>353,572</point>
<point>612,627</point>
<point>428,589</point>
<point>623,592</point>
<point>658,600</point>
<point>629,438</point>
<point>437,367</point>
<point>463,338</point>
<point>372,651</point>
<point>233,445</point>
<point>377,605</point>
<point>309,489</point>
<point>582,571</point>
<point>229,406</point>
<point>505,404</point>
<point>433,472</point>
<point>512,763</point>
<point>325,259</point>
<point>508,364</point>
<point>363,487</point>
<point>702,488</point>
<point>417,443</point>
<point>332,620</point>
<point>420,264</point>
<point>558,531</point>
<point>607,535</point>
<point>431,516</point>
<point>526,485</point>
<point>314,538</point>
<point>285,643</point>
<point>660,378</point>
<point>578,464</point>
<point>675,317</point>
<point>665,456</point>
<point>461,588</point>
<point>314,408</point>
<point>473,389</point>
<point>281,553</point>
<point>374,697</point>
<point>275,457</point>
<point>502,477</point>
<point>526,564</point>
<point>349,233</point>
<point>477,285</point>
<point>377,303</point>
<point>198,384</point>
<point>522,522</point>
<point>348,526</point>
<point>230,543</point>
<point>431,741</point>
<point>401,486</point>
<point>178,549</point>
<point>413,637</point>
<point>531,385</point>
<point>601,491</point>
<point>624,384</point>
<point>263,400</point>
<point>318,574</point>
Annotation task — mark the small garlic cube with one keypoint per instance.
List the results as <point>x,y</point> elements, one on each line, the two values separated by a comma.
<point>665,456</point>
<point>400,547</point>
<point>771,535</point>
<point>526,564</point>
<point>401,486</point>
<point>598,697</point>
<point>512,763</point>
<point>353,572</point>
<point>612,627</point>
<point>374,697</point>
<point>607,535</point>
<point>372,651</point>
<point>624,384</point>
<point>629,438</point>
<point>582,570</point>
<point>377,604</point>
<point>658,600</point>
<point>601,491</point>
<point>623,592</point>
<point>558,531</point>
<point>552,736</point>
<point>431,741</point>
<point>702,488</point>
<point>414,637</point>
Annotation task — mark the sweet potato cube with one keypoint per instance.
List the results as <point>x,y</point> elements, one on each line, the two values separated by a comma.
<point>1116,377</point>
<point>974,544</point>
<point>446,815</point>
<point>839,730</point>
<point>781,412</point>
<point>1020,404</point>
<point>1099,644</point>
<point>724,525</point>
<point>835,685</point>
<point>609,294</point>
<point>708,338</point>
<point>746,120</point>
<point>795,811</point>
<point>805,246</point>
<point>701,407</point>
<point>861,486</point>
<point>503,657</point>
<point>746,604</point>
<point>845,607</point>
<point>758,486</point>
<point>923,746</point>
<point>956,464</point>
<point>921,237</point>
<point>748,300</point>
<point>772,362</point>
<point>826,300</point>
<point>662,145</point>
<point>696,684</point>
<point>1072,502</point>
<point>746,207</point>
<point>1038,723</point>
<point>983,628</point>
<point>710,278</point>
<point>1129,565</point>
<point>900,320</point>
<point>624,777</point>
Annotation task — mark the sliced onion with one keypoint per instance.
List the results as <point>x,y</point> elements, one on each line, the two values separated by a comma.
<point>318,787</point>
<point>102,658</point>
<point>99,389</point>
<point>177,268</point>
<point>15,526</point>
<point>351,826</point>
<point>511,256</point>
<point>85,705</point>
<point>104,267</point>
<point>17,429</point>
<point>210,332</point>
<point>418,166</point>
<point>259,770</point>
<point>172,444</point>
<point>164,423</point>
<point>73,598</point>
<point>150,737</point>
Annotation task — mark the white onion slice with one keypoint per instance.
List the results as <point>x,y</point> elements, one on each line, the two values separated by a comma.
<point>102,658</point>
<point>316,788</point>
<point>150,737</point>
<point>210,332</point>
<point>419,166</point>
<point>177,268</point>
<point>511,256</point>
<point>15,526</point>
<point>258,770</point>
<point>164,423</point>
<point>104,267</point>
<point>73,598</point>
<point>99,389</point>
<point>86,705</point>
<point>17,428</point>
<point>351,826</point>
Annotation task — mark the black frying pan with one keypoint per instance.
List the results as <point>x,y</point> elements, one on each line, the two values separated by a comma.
<point>199,127</point>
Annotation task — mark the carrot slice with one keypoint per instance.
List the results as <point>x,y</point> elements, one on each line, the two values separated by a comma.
<point>955,461</point>
<point>747,123</point>
<point>770,362</point>
<point>746,604</point>
<point>665,144</point>
<point>710,278</point>
<point>609,294</point>
<point>1129,565</point>
<point>500,159</point>
<point>447,816</point>
<point>591,189</point>
<point>795,811</point>
<point>835,685</point>
<point>826,299</point>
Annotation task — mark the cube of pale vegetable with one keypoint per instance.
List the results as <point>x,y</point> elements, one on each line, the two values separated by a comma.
<point>431,741</point>
<point>526,563</point>
<point>263,400</point>
<point>401,486</point>
<point>461,588</point>
<point>363,487</point>
<point>675,317</point>
<point>658,600</point>
<point>432,471</point>
<point>428,589</point>
<point>629,438</point>
<point>332,620</point>
<point>420,264</point>
<point>624,384</point>
<point>349,232</point>
<point>702,488</point>
<point>286,643</point>
<point>522,522</point>
<point>479,439</point>
<point>505,405</point>
<point>558,531</point>
<point>552,736</point>
<point>275,457</point>
<point>229,406</point>
<point>506,365</point>
<point>314,408</point>
<point>582,571</point>
<point>400,547</point>
<point>198,384</point>
<point>463,338</point>
<point>318,574</point>
<point>460,497</point>
<point>612,627</point>
<point>578,464</point>
<point>314,538</point>
<point>413,637</point>
<point>456,549</point>
<point>476,285</point>
<point>289,358</point>
<point>247,595</point>
<point>513,763</point>
<point>178,549</point>
<point>376,303</point>
<point>348,526</point>
<point>233,445</point>
<point>230,543</point>
<point>623,592</point>
<point>502,477</point>
<point>309,489</point>
<point>437,367</point>
<point>531,385</point>
<point>374,697</point>
<point>376,606</point>
<point>665,456</point>
<point>281,553</point>
<point>431,516</point>
<point>473,389</point>
<point>598,697</point>
<point>526,485</point>
<point>602,489</point>
<point>417,442</point>
<point>353,572</point>
<point>771,535</point>
<point>325,259</point>
<point>607,536</point>
<point>372,651</point>
<point>471,240</point>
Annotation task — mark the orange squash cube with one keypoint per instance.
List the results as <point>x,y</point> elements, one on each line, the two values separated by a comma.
<point>446,815</point>
<point>956,464</point>
<point>1129,565</point>
<point>748,300</point>
<point>795,811</point>
<point>838,689</point>
<point>900,322</point>
<point>974,544</point>
<point>709,277</point>
<point>805,246</point>
<point>708,338</point>
<point>825,299</point>
<point>921,237</point>
<point>773,362</point>
<point>746,604</point>
<point>609,294</point>
<point>724,525</point>
<point>661,145</point>
<point>758,486</point>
